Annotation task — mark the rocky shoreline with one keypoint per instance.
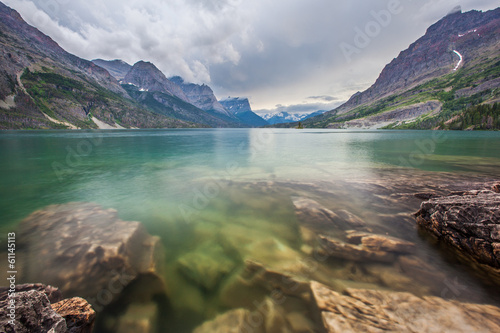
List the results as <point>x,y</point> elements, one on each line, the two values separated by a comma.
<point>347,275</point>
<point>469,222</point>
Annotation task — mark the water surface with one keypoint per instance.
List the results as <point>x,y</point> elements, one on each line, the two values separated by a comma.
<point>206,187</point>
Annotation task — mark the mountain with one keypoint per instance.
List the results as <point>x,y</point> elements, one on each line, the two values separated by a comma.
<point>455,65</point>
<point>285,117</point>
<point>201,96</point>
<point>117,68</point>
<point>43,86</point>
<point>149,86</point>
<point>240,107</point>
<point>148,77</point>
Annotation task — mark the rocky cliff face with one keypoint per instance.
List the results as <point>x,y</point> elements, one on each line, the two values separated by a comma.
<point>147,76</point>
<point>201,96</point>
<point>241,108</point>
<point>117,68</point>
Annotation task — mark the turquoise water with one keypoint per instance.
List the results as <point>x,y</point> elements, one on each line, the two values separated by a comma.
<point>191,185</point>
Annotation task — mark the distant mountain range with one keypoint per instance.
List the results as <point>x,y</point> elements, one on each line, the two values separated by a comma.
<point>448,79</point>
<point>285,117</point>
<point>440,78</point>
<point>43,86</point>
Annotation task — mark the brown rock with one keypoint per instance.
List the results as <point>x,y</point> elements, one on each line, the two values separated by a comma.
<point>78,313</point>
<point>496,188</point>
<point>32,313</point>
<point>310,212</point>
<point>341,250</point>
<point>387,243</point>
<point>87,251</point>
<point>288,284</point>
<point>354,236</point>
<point>361,310</point>
<point>470,222</point>
<point>317,217</point>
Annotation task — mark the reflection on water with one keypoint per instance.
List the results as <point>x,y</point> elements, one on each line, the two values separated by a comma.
<point>239,213</point>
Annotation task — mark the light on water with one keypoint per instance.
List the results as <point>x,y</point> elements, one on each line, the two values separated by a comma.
<point>226,205</point>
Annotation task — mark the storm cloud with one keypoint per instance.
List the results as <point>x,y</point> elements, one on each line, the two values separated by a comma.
<point>298,54</point>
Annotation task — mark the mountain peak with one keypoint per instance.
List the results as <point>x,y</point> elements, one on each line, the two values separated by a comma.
<point>147,76</point>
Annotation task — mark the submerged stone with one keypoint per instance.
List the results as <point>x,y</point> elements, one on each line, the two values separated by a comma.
<point>387,243</point>
<point>338,249</point>
<point>88,251</point>
<point>234,321</point>
<point>206,265</point>
<point>362,310</point>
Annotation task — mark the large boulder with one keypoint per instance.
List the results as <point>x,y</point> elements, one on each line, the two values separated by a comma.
<point>87,251</point>
<point>469,221</point>
<point>362,310</point>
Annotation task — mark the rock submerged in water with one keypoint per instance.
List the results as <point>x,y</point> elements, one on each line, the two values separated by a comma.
<point>362,310</point>
<point>314,215</point>
<point>469,221</point>
<point>340,250</point>
<point>87,251</point>
<point>206,266</point>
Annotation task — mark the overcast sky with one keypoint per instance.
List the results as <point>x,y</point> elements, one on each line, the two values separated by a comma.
<point>287,55</point>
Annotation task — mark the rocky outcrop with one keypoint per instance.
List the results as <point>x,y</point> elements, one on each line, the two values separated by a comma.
<point>361,310</point>
<point>77,313</point>
<point>33,311</point>
<point>468,221</point>
<point>88,251</point>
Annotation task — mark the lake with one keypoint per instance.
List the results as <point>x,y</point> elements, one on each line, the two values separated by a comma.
<point>211,192</point>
